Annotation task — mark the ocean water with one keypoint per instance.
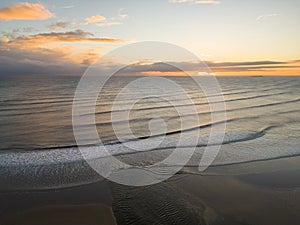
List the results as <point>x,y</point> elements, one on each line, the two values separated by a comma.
<point>36,134</point>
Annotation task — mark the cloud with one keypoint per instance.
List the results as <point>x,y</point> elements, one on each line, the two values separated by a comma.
<point>68,6</point>
<point>59,25</point>
<point>44,39</point>
<point>121,14</point>
<point>16,32</point>
<point>94,19</point>
<point>210,2</point>
<point>171,68</point>
<point>108,23</point>
<point>102,21</point>
<point>29,29</point>
<point>241,64</point>
<point>4,39</point>
<point>246,66</point>
<point>63,60</point>
<point>50,53</point>
<point>25,11</point>
<point>16,61</point>
<point>37,59</point>
<point>262,17</point>
<point>213,2</point>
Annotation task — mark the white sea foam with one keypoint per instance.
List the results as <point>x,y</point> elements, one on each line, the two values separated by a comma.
<point>73,154</point>
<point>62,167</point>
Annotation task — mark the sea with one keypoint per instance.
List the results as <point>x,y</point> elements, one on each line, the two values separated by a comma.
<point>260,121</point>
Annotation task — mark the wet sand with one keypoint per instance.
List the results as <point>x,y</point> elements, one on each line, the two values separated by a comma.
<point>228,198</point>
<point>67,215</point>
<point>262,193</point>
<point>88,204</point>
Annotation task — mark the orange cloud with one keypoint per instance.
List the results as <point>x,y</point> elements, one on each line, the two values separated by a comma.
<point>108,23</point>
<point>103,22</point>
<point>39,61</point>
<point>94,19</point>
<point>25,11</point>
<point>35,60</point>
<point>50,53</point>
<point>45,39</point>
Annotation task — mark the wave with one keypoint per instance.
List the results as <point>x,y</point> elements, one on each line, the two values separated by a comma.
<point>22,100</point>
<point>39,102</point>
<point>194,104</point>
<point>64,167</point>
<point>10,110</point>
<point>11,113</point>
<point>172,132</point>
<point>147,119</point>
<point>203,126</point>
<point>60,103</point>
<point>69,98</point>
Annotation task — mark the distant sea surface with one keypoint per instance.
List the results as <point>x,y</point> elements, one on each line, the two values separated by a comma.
<point>263,118</point>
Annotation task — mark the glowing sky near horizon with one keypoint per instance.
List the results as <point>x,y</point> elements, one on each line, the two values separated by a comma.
<point>234,37</point>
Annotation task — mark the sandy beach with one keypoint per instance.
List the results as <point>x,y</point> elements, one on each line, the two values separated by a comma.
<point>264,192</point>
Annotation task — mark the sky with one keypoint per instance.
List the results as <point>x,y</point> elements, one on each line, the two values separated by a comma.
<point>233,37</point>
